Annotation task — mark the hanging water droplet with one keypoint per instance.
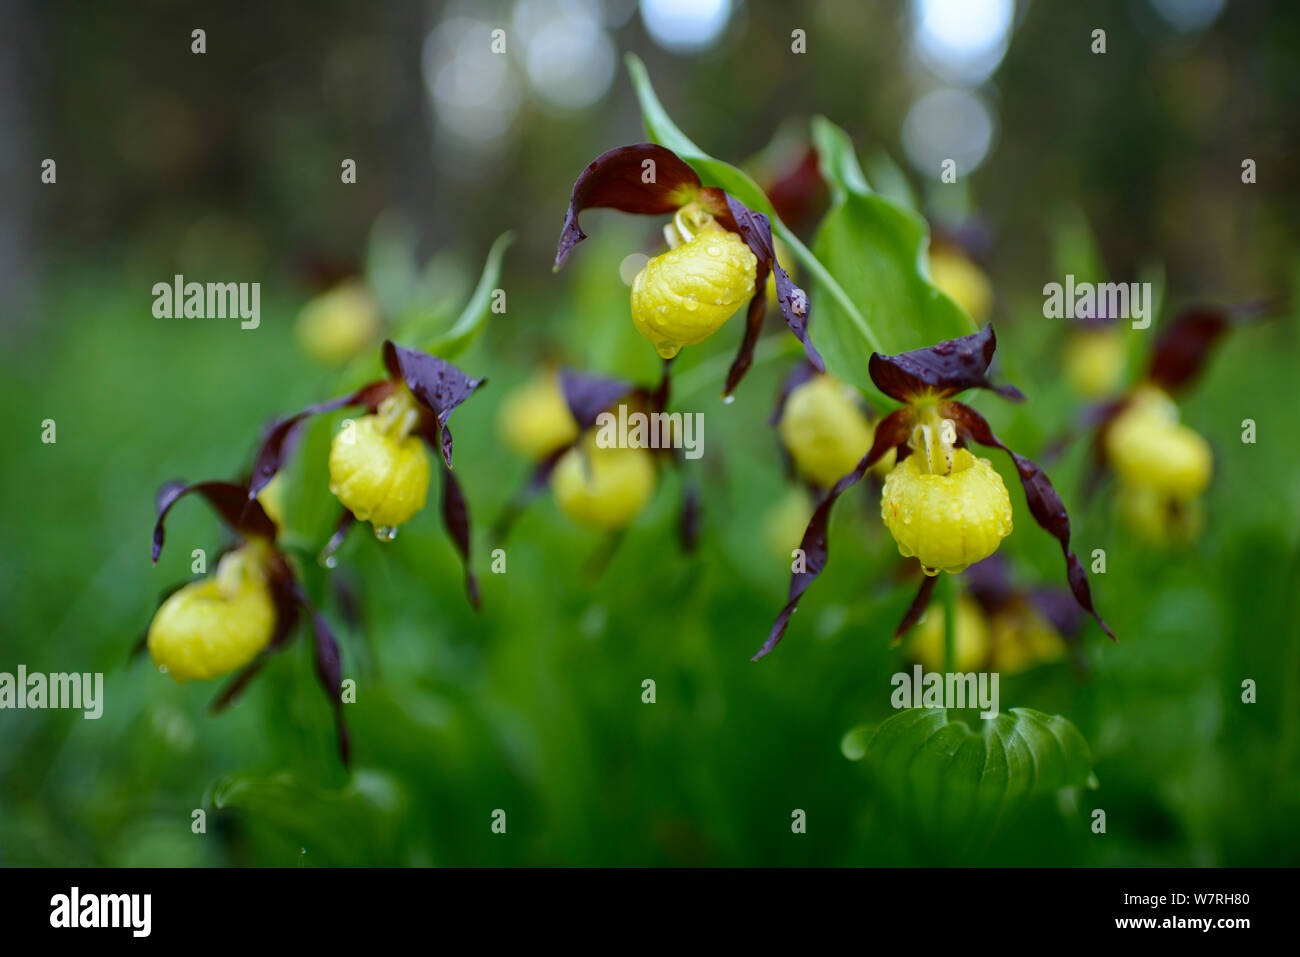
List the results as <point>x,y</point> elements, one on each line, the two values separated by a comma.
<point>728,399</point>
<point>385,533</point>
<point>329,561</point>
<point>334,488</point>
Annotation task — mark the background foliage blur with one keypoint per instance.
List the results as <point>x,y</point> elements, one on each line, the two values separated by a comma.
<point>225,167</point>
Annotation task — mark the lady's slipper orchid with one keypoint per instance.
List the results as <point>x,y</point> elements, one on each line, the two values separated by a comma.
<point>233,619</point>
<point>825,427</point>
<point>378,469</point>
<point>720,254</point>
<point>940,502</point>
<point>600,487</point>
<point>1163,465</point>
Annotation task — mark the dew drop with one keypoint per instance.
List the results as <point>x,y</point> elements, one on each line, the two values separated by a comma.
<point>329,561</point>
<point>334,489</point>
<point>728,399</point>
<point>385,533</point>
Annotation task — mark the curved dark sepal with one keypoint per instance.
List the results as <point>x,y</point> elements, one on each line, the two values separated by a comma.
<point>756,230</point>
<point>616,180</point>
<point>436,384</point>
<point>1044,504</point>
<point>917,608</point>
<point>589,395</point>
<point>891,431</point>
<point>455,517</point>
<point>1182,349</point>
<point>329,669</point>
<point>227,499</point>
<point>944,368</point>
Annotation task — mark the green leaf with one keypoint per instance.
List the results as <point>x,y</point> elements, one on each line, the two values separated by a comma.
<point>714,172</point>
<point>877,251</point>
<point>331,827</point>
<point>474,316</point>
<point>955,784</point>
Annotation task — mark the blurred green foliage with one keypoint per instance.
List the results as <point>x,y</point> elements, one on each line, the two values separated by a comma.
<point>534,706</point>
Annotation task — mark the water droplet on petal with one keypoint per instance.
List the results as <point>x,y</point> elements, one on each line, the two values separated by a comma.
<point>385,533</point>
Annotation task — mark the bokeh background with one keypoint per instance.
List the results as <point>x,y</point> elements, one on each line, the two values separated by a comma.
<point>225,166</point>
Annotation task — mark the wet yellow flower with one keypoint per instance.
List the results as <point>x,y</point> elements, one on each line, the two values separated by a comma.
<point>337,325</point>
<point>826,432</point>
<point>212,627</point>
<point>685,295</point>
<point>534,420</point>
<point>1094,361</point>
<point>946,520</point>
<point>378,469</point>
<point>963,281</point>
<point>603,488</point>
<point>1147,446</point>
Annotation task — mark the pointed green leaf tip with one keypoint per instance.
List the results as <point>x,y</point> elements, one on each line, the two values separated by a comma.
<point>474,316</point>
<point>877,250</point>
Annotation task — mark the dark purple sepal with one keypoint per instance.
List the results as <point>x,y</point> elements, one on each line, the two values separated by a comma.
<point>1044,504</point>
<point>278,440</point>
<point>587,396</point>
<point>756,230</point>
<point>329,668</point>
<point>944,368</point>
<point>455,517</point>
<point>436,384</point>
<point>616,180</point>
<point>918,606</point>
<point>890,432</point>
<point>227,499</point>
<point>1182,349</point>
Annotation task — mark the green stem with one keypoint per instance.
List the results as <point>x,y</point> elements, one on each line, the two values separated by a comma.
<point>949,587</point>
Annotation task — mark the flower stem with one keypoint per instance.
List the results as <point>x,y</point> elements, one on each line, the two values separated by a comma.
<point>949,622</point>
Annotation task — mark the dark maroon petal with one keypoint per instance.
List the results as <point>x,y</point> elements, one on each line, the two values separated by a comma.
<point>797,376</point>
<point>616,180</point>
<point>945,368</point>
<point>1044,504</point>
<point>437,384</point>
<point>279,437</point>
<point>338,537</point>
<point>226,498</point>
<point>534,486</point>
<point>329,668</point>
<point>891,431</point>
<point>756,230</point>
<point>748,340</point>
<point>237,686</point>
<point>799,191</point>
<point>1182,349</point>
<point>589,395</point>
<point>917,608</point>
<point>455,516</point>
